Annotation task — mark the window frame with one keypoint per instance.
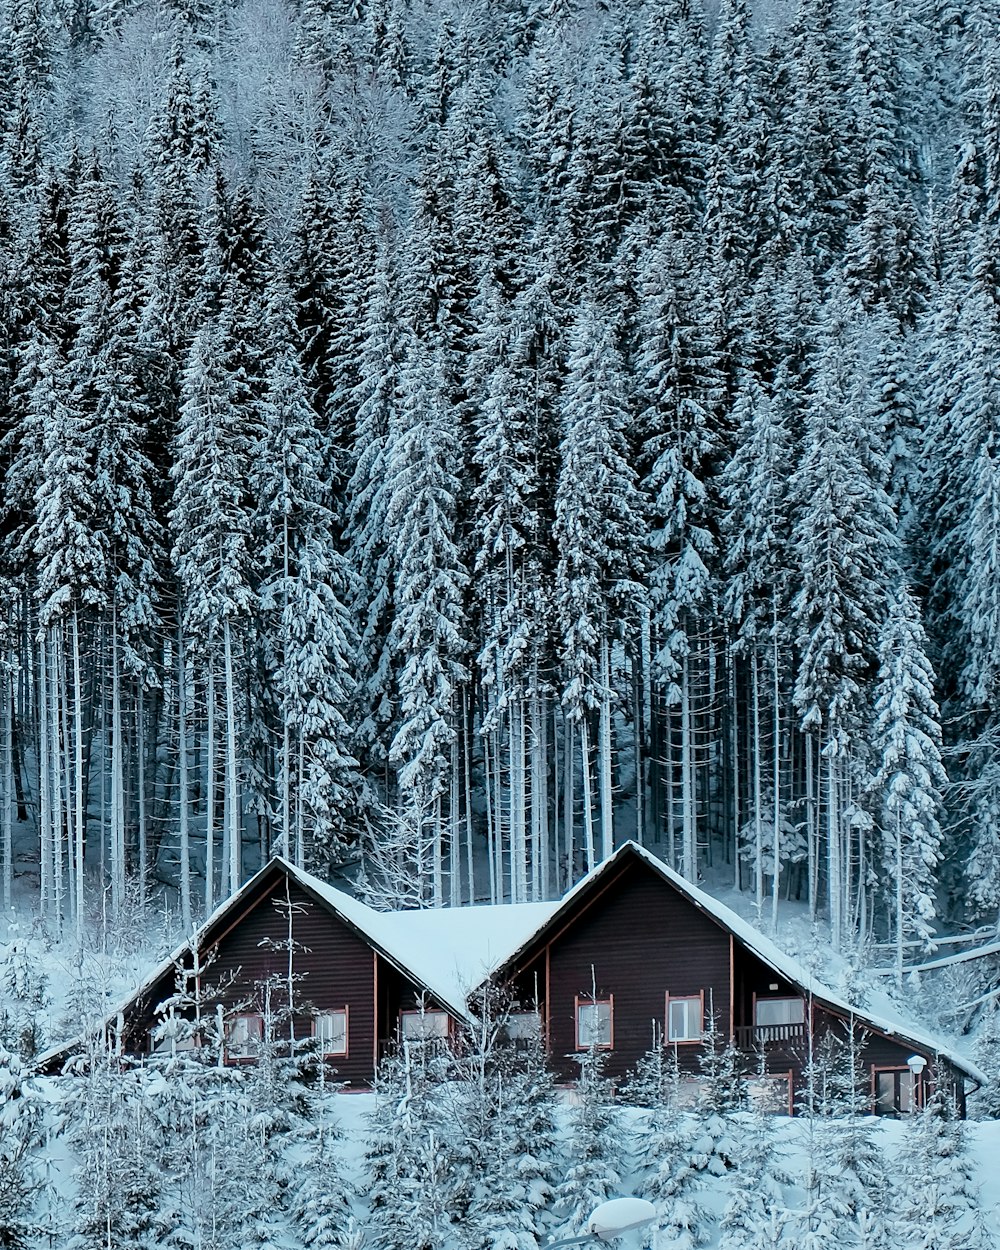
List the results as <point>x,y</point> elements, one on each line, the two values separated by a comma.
<point>916,1089</point>
<point>333,1011</point>
<point>779,998</point>
<point>230,1022</point>
<point>587,1000</point>
<point>699,997</point>
<point>435,1012</point>
<point>527,1028</point>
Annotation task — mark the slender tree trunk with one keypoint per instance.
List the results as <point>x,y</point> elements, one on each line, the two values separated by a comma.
<point>232,784</point>
<point>57,688</point>
<point>490,827</point>
<point>117,775</point>
<point>210,785</point>
<point>812,832</point>
<point>470,870</point>
<point>690,844</point>
<point>183,804</point>
<point>758,827</point>
<point>539,792</point>
<point>454,829</point>
<point>8,790</point>
<point>834,872</point>
<point>899,901</point>
<point>44,780</point>
<point>776,777</point>
<point>588,798</point>
<point>300,833</point>
<point>604,754</point>
<point>568,802</point>
<point>140,726</point>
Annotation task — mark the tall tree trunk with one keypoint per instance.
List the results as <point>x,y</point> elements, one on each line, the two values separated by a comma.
<point>8,789</point>
<point>588,798</point>
<point>604,753</point>
<point>44,780</point>
<point>140,775</point>
<point>758,827</point>
<point>58,757</point>
<point>232,783</point>
<point>210,785</point>
<point>689,851</point>
<point>117,776</point>
<point>183,805</point>
<point>776,778</point>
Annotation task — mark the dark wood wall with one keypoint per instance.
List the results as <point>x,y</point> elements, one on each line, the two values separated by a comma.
<point>637,940</point>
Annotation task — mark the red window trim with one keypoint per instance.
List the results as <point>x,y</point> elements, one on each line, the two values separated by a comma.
<point>329,1011</point>
<point>433,1011</point>
<point>683,1041</point>
<point>777,998</point>
<point>585,1000</point>
<point>231,1059</point>
<point>920,1082</point>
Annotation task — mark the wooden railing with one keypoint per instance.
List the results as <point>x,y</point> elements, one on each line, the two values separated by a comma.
<point>753,1037</point>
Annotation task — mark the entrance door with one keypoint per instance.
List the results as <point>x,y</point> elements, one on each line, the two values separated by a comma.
<point>893,1091</point>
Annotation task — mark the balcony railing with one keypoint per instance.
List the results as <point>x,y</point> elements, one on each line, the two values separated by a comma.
<point>769,1036</point>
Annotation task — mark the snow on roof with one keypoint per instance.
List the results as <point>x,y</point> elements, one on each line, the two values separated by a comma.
<point>888,1020</point>
<point>448,950</point>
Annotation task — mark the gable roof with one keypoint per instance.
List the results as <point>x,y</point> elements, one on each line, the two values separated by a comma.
<point>445,952</point>
<point>885,1022</point>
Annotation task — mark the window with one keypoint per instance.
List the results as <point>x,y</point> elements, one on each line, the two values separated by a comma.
<point>779,1018</point>
<point>523,1025</point>
<point>330,1030</point>
<point>893,1091</point>
<point>685,1018</point>
<point>594,1024</point>
<point>423,1026</point>
<point>771,1094</point>
<point>244,1033</point>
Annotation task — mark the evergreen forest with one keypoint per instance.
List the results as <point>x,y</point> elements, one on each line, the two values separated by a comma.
<point>452,438</point>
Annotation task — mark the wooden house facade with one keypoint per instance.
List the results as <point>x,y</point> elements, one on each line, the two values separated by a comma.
<point>632,955</point>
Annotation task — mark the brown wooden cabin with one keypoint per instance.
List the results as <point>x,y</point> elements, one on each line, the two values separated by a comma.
<point>636,952</point>
<point>350,991</point>
<point>631,953</point>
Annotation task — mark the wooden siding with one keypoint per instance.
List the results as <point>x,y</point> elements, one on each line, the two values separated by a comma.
<point>336,968</point>
<point>638,939</point>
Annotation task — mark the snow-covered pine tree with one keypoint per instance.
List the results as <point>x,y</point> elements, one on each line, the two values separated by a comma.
<point>662,1144</point>
<point>938,1204</point>
<point>598,534</point>
<point>909,776</point>
<point>306,587</point>
<point>595,1147</point>
<point>847,553</point>
<point>427,639</point>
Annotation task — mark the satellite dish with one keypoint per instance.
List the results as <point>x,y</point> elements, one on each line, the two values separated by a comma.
<point>620,1215</point>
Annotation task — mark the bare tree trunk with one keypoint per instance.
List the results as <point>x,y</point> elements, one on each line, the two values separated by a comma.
<point>8,790</point>
<point>604,754</point>
<point>44,780</point>
<point>689,848</point>
<point>140,723</point>
<point>232,783</point>
<point>117,777</point>
<point>470,871</point>
<point>588,798</point>
<point>210,784</point>
<point>57,688</point>
<point>758,827</point>
<point>568,801</point>
<point>183,806</point>
<point>776,780</point>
